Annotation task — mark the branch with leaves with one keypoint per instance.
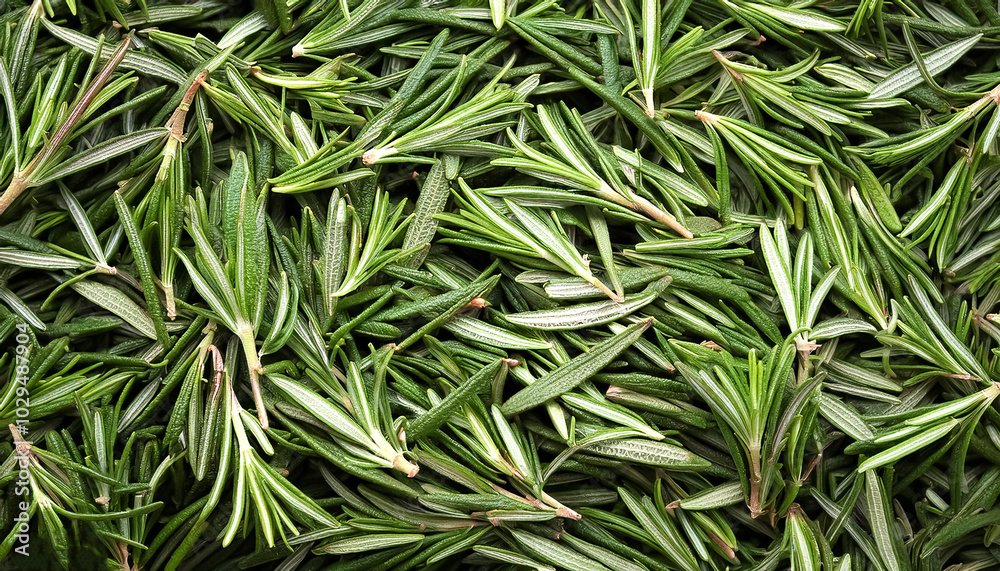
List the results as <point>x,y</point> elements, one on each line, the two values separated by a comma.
<point>624,284</point>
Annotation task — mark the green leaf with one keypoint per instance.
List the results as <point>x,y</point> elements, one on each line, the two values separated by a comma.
<point>589,314</point>
<point>38,260</point>
<point>135,60</point>
<point>100,153</point>
<point>7,91</point>
<point>908,76</point>
<point>498,12</point>
<point>442,411</point>
<point>649,452</point>
<point>482,332</point>
<point>716,497</point>
<point>801,19</point>
<point>555,553</point>
<point>511,557</point>
<point>368,543</point>
<point>575,371</point>
<point>153,304</point>
<point>844,417</point>
<point>883,524</point>
<point>332,416</point>
<point>113,300</point>
<point>431,202</point>
<point>908,447</point>
<point>83,225</point>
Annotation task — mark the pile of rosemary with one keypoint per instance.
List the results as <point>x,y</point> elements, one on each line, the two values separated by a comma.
<point>499,284</point>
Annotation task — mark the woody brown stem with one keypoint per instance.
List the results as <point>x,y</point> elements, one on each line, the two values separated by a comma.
<point>600,285</point>
<point>640,204</point>
<point>176,122</point>
<point>22,179</point>
<point>16,187</point>
<point>654,212</point>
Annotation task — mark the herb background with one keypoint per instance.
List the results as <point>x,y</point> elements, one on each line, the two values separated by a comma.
<point>591,285</point>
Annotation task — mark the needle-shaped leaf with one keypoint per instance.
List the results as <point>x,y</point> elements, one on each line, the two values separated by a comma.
<point>113,300</point>
<point>882,524</point>
<point>572,373</point>
<point>507,556</point>
<point>937,61</point>
<point>143,265</point>
<point>716,497</point>
<point>38,260</point>
<point>100,153</point>
<point>83,225</point>
<point>590,314</point>
<point>498,12</point>
<point>802,19</point>
<point>147,64</point>
<point>368,543</point>
<point>442,411</point>
<point>433,197</point>
<point>778,266</point>
<point>480,331</point>
<point>7,91</point>
<point>552,552</point>
<point>911,446</point>
<point>333,416</point>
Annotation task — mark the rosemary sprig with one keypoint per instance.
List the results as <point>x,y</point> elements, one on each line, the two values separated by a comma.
<point>623,284</point>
